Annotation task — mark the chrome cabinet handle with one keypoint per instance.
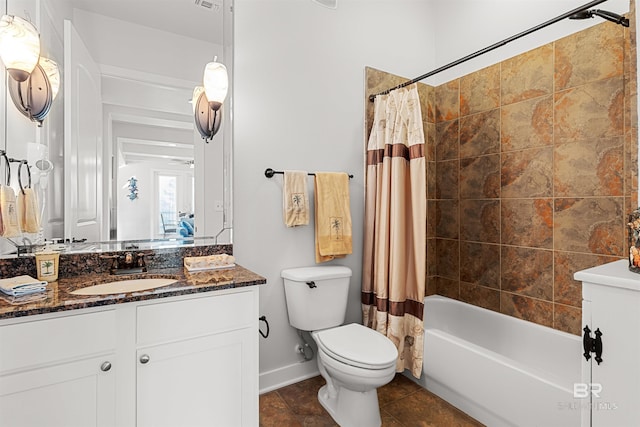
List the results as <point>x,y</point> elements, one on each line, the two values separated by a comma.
<point>105,366</point>
<point>144,359</point>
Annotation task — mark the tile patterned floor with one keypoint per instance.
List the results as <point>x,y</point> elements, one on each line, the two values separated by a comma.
<point>402,403</point>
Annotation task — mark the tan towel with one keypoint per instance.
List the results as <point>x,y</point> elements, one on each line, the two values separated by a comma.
<point>295,200</point>
<point>29,212</point>
<point>8,210</point>
<point>333,216</point>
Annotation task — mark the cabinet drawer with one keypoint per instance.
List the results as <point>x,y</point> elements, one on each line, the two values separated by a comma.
<point>42,342</point>
<point>170,321</point>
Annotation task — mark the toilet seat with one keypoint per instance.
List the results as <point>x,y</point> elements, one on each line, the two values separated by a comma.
<point>358,346</point>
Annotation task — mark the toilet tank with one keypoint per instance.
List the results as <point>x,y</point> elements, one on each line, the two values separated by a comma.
<point>316,296</point>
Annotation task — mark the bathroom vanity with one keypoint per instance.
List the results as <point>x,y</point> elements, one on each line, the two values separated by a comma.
<point>183,354</point>
<point>610,374</point>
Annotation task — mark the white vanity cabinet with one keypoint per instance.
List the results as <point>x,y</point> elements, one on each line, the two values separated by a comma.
<point>180,361</point>
<point>611,307</point>
<point>58,371</point>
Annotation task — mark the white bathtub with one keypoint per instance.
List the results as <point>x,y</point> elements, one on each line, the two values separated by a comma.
<point>500,370</point>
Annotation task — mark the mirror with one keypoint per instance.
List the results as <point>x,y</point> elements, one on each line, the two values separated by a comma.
<point>118,157</point>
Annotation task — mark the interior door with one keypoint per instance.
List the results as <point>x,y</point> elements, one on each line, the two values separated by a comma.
<point>83,140</point>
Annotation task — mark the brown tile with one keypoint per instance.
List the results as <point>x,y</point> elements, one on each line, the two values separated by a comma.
<point>566,290</point>
<point>448,258</point>
<point>447,140</point>
<point>302,397</point>
<point>448,101</point>
<point>275,413</point>
<point>480,264</point>
<point>447,287</point>
<point>527,222</point>
<point>567,319</point>
<point>591,167</point>
<point>432,258</point>
<point>447,215</point>
<point>399,388</point>
<point>431,180</point>
<point>530,309</point>
<point>480,134</point>
<point>527,173</point>
<point>574,56</point>
<point>447,179</point>
<point>323,420</point>
<point>432,219</point>
<point>528,75</point>
<point>593,110</point>
<point>427,97</point>
<point>480,296</point>
<point>480,177</point>
<point>631,163</point>
<point>592,225</point>
<point>430,142</point>
<point>480,220</point>
<point>423,408</point>
<point>480,90</point>
<point>527,124</point>
<point>527,271</point>
<point>388,420</point>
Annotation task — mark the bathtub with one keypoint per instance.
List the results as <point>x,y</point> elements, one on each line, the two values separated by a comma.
<point>501,370</point>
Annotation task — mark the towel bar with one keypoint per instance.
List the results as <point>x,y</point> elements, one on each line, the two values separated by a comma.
<point>270,172</point>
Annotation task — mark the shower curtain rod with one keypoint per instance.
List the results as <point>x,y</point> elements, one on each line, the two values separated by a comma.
<point>490,48</point>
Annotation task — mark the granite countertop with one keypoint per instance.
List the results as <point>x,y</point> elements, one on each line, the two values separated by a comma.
<point>59,298</point>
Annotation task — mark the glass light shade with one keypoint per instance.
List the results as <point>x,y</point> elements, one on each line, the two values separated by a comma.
<point>19,46</point>
<point>216,83</point>
<point>197,91</point>
<point>53,74</point>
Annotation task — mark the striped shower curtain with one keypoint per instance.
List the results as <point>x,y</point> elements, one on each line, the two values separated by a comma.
<point>394,260</point>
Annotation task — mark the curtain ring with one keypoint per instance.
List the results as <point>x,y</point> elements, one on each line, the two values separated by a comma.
<point>20,175</point>
<point>8,169</point>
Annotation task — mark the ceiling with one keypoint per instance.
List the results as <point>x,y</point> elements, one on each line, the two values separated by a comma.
<point>199,19</point>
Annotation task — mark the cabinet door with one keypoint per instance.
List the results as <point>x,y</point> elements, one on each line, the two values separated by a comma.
<point>614,382</point>
<point>73,394</point>
<point>206,381</point>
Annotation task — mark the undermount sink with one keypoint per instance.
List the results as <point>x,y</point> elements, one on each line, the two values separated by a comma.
<point>124,286</point>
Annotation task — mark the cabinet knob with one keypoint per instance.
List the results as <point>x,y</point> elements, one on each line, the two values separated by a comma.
<point>144,359</point>
<point>105,366</point>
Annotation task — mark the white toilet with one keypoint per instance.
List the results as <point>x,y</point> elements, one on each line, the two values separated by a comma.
<point>353,359</point>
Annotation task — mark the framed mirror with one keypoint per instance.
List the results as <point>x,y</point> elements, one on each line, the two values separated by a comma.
<point>118,157</point>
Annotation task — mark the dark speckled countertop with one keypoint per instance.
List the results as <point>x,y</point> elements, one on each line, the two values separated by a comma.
<point>59,298</point>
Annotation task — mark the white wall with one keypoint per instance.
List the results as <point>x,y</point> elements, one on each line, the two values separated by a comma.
<point>299,104</point>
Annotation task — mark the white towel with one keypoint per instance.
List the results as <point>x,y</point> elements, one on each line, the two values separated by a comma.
<point>295,199</point>
<point>22,285</point>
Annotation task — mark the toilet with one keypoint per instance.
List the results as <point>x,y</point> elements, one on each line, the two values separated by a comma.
<point>353,359</point>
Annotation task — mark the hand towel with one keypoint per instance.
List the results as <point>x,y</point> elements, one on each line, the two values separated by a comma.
<point>28,210</point>
<point>21,285</point>
<point>295,200</point>
<point>333,216</point>
<point>11,227</point>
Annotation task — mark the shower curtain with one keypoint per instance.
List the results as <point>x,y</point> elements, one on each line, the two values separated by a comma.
<point>394,260</point>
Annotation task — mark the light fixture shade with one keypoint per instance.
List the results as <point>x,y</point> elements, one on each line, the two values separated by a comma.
<point>216,83</point>
<point>19,46</point>
<point>53,74</point>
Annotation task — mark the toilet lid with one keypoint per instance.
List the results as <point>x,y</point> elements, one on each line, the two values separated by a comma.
<point>358,345</point>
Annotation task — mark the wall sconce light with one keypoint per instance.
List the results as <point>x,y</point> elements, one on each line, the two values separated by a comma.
<point>35,80</point>
<point>208,99</point>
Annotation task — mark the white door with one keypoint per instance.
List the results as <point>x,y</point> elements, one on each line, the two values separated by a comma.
<point>74,394</point>
<point>83,140</point>
<point>198,382</point>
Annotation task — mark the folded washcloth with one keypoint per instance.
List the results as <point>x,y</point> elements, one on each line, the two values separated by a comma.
<point>295,200</point>
<point>21,285</point>
<point>333,216</point>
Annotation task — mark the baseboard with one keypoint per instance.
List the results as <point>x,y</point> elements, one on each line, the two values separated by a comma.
<point>287,375</point>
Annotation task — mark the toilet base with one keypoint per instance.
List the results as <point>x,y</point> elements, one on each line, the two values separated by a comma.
<point>351,408</point>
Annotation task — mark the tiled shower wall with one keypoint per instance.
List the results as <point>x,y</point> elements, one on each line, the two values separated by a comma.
<point>532,172</point>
